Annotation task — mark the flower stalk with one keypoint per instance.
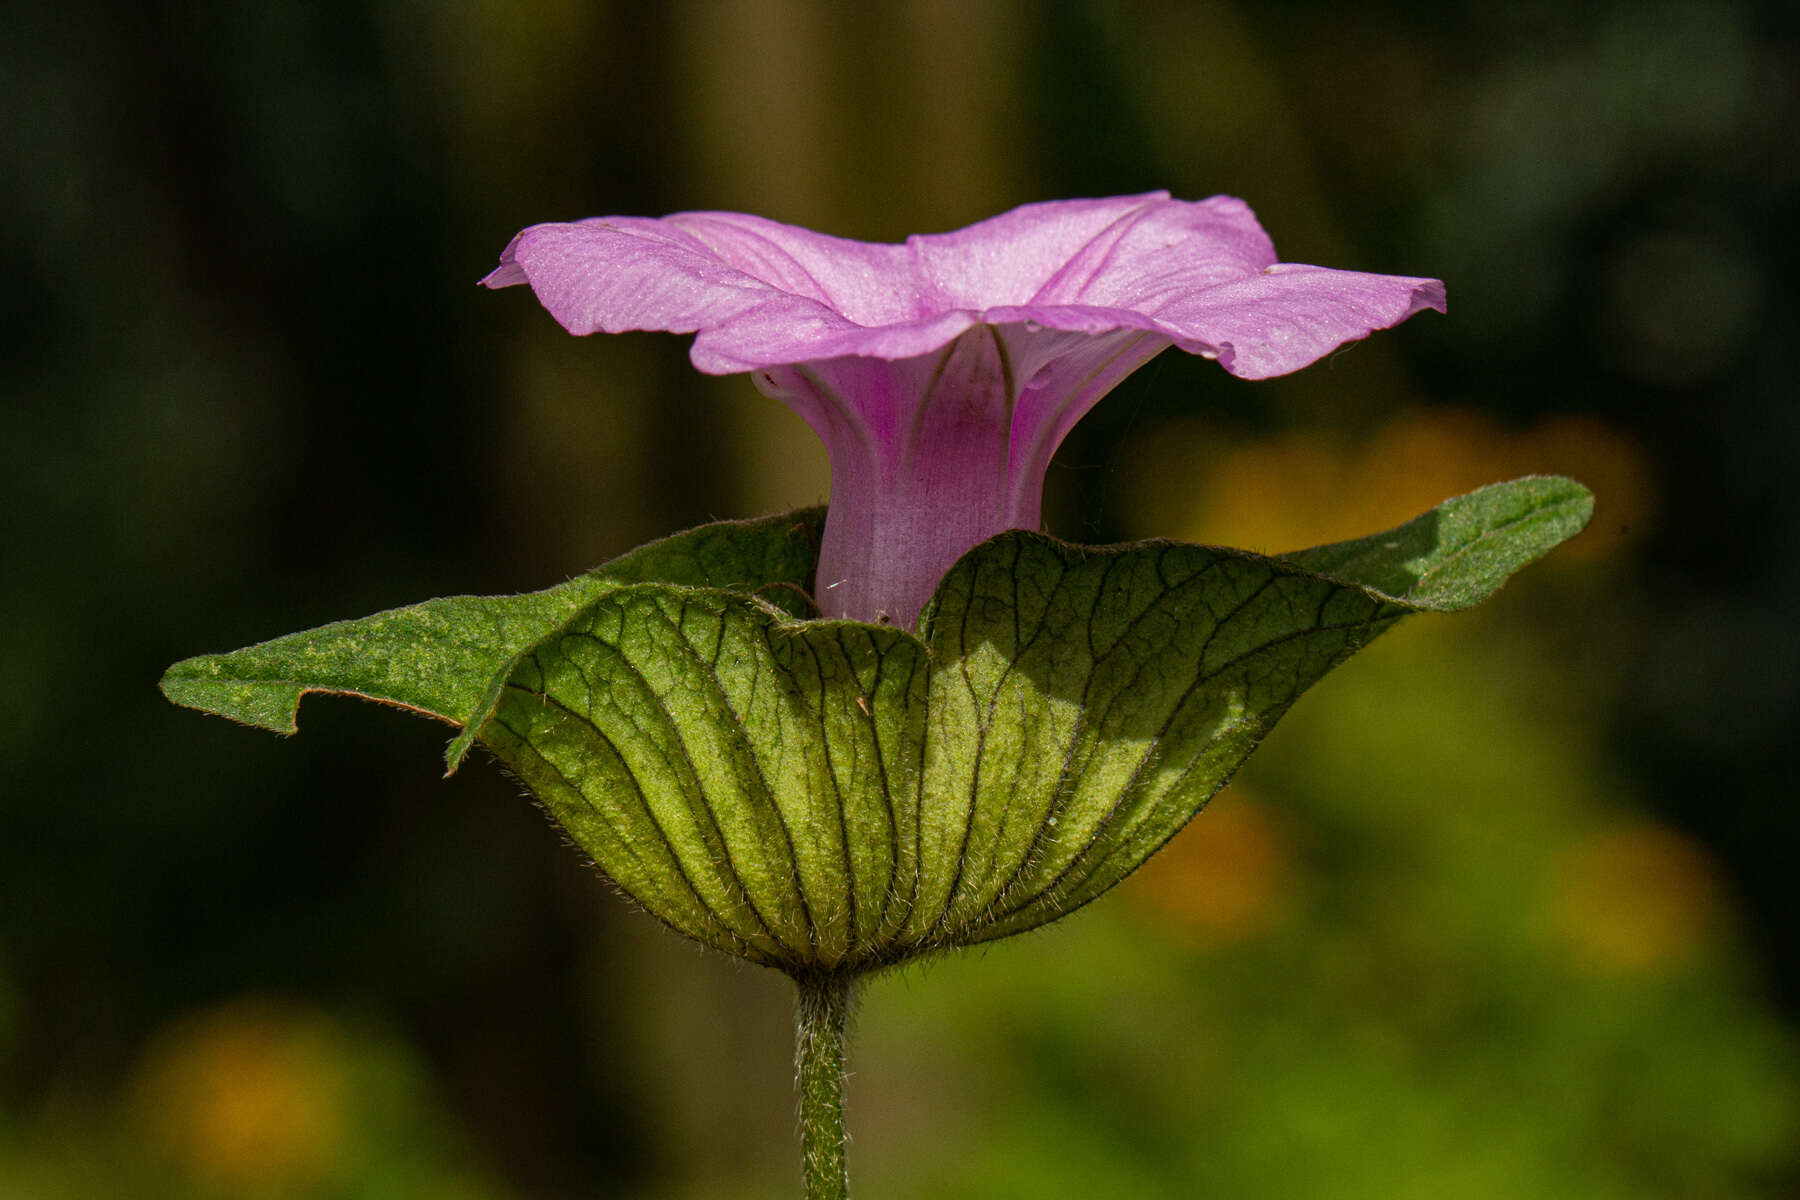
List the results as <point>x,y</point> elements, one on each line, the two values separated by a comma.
<point>821,1022</point>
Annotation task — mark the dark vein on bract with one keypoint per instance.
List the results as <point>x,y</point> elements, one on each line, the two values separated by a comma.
<point>924,799</point>
<point>1152,745</point>
<point>1060,796</point>
<point>702,811</point>
<point>1198,580</point>
<point>1069,569</point>
<point>1266,717</point>
<point>918,714</point>
<point>1143,614</point>
<point>843,818</point>
<point>1101,832</point>
<point>881,773</point>
<point>890,894</point>
<point>1111,564</point>
<point>1019,649</point>
<point>715,846</point>
<point>740,737</point>
<point>620,840</point>
<point>702,808</point>
<point>975,774</point>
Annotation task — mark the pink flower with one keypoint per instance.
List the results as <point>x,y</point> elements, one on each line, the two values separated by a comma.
<point>943,372</point>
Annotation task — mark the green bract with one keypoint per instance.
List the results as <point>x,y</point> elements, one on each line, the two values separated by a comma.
<point>830,797</point>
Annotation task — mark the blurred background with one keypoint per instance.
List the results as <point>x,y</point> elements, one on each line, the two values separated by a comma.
<point>1505,908</point>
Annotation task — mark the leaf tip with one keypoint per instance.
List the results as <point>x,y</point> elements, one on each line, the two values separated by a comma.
<point>458,750</point>
<point>202,684</point>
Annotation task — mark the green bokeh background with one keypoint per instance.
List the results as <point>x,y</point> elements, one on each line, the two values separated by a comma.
<point>1506,908</point>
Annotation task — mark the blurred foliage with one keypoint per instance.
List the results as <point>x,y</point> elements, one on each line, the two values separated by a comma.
<point>1506,908</point>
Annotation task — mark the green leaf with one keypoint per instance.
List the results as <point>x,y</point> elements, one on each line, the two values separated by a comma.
<point>1102,697</point>
<point>829,795</point>
<point>1460,552</point>
<point>443,657</point>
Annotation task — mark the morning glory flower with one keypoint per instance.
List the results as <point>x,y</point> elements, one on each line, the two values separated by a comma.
<point>943,372</point>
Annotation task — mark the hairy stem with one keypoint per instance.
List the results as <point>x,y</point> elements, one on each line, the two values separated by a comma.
<point>820,1023</point>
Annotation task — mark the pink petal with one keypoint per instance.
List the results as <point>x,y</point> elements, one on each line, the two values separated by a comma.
<point>1289,316</point>
<point>614,274</point>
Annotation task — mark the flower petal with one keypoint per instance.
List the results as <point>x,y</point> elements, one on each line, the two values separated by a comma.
<point>612,274</point>
<point>1023,256</point>
<point>790,329</point>
<point>1289,315</point>
<point>866,283</point>
<point>942,373</point>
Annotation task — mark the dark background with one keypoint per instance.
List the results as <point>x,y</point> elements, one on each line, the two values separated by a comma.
<point>1508,909</point>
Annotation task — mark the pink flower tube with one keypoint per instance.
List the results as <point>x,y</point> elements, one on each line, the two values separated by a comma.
<point>942,373</point>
